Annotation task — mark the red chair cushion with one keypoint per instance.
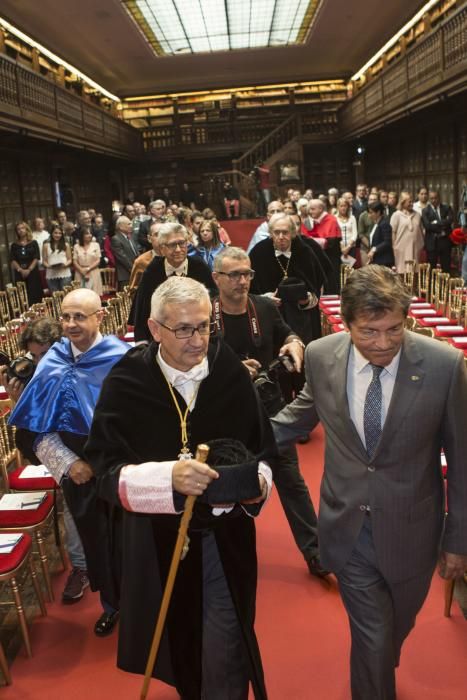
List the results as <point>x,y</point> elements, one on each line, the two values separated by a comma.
<point>27,517</point>
<point>41,483</point>
<point>446,333</point>
<point>9,562</point>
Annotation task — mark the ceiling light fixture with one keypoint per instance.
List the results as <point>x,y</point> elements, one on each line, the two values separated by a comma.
<point>204,26</point>
<point>56,59</point>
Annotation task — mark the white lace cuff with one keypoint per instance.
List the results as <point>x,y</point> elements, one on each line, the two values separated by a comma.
<point>147,488</point>
<point>55,455</point>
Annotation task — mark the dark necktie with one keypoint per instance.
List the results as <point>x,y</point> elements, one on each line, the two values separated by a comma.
<point>372,411</point>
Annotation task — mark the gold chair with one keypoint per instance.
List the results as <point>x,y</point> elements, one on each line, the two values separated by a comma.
<point>456,299</point>
<point>50,307</point>
<point>23,296</point>
<point>109,285</point>
<point>423,280</point>
<point>4,667</point>
<point>35,522</point>
<point>14,302</point>
<point>14,568</point>
<point>13,329</point>
<point>408,276</point>
<point>5,314</point>
<point>442,291</point>
<point>424,330</point>
<point>346,271</point>
<point>117,307</point>
<point>57,298</point>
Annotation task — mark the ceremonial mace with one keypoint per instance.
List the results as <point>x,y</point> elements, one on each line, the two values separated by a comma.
<point>180,550</point>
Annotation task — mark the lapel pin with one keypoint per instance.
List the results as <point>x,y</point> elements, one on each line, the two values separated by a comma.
<point>415,377</point>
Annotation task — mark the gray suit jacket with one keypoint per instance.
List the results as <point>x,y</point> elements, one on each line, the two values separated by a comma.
<point>402,483</point>
<point>124,256</point>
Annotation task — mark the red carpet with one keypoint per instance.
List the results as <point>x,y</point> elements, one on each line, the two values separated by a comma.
<point>301,626</point>
<point>241,230</point>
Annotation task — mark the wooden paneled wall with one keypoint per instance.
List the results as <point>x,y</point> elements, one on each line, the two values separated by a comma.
<point>27,178</point>
<point>429,148</point>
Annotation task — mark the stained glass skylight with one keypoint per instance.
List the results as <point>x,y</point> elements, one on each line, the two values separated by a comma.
<point>194,26</point>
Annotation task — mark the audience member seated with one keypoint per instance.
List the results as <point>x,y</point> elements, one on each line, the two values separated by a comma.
<point>231,201</point>
<point>56,258</point>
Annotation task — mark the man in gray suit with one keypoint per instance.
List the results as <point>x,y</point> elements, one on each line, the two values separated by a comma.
<point>123,249</point>
<point>389,400</point>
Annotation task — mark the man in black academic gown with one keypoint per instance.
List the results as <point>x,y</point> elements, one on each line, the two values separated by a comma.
<point>159,403</point>
<point>286,257</point>
<point>173,245</point>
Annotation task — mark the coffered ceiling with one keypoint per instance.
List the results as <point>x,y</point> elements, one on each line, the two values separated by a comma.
<point>101,39</point>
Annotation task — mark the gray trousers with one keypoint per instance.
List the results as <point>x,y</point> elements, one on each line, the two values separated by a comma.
<point>224,660</point>
<point>381,615</point>
<point>72,540</point>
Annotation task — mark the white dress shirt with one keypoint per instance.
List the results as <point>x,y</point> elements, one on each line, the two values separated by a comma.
<point>359,376</point>
<point>147,487</point>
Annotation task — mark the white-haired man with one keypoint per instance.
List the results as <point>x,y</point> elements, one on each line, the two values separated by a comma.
<point>124,250</point>
<point>161,402</point>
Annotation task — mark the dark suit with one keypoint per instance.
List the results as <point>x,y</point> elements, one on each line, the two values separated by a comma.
<point>125,255</point>
<point>142,241</point>
<point>359,206</point>
<point>382,241</point>
<point>152,277</point>
<point>437,227</point>
<point>401,483</point>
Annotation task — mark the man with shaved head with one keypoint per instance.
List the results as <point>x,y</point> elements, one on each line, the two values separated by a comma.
<point>53,418</point>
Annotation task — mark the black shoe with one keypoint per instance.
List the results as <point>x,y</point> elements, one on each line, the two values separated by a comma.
<point>303,439</point>
<point>106,623</point>
<point>315,568</point>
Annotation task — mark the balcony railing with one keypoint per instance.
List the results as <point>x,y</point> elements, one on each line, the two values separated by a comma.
<point>436,65</point>
<point>33,104</point>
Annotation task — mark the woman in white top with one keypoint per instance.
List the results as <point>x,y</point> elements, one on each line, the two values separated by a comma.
<point>56,258</point>
<point>40,234</point>
<point>408,236</point>
<point>348,226</point>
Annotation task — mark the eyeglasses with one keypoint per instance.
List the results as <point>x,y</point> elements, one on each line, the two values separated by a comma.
<point>236,275</point>
<point>176,244</point>
<point>78,317</point>
<point>184,332</point>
